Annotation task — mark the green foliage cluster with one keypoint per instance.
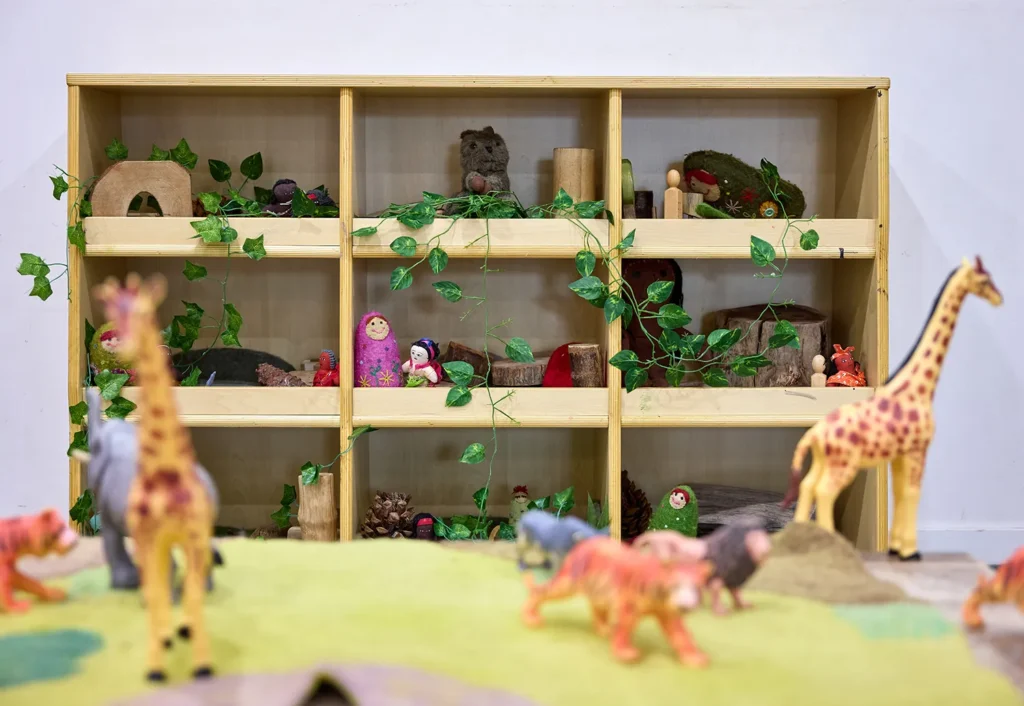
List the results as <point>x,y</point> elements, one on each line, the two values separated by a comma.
<point>479,526</point>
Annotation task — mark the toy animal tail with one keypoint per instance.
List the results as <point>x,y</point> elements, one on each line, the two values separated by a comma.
<point>797,468</point>
<point>218,560</point>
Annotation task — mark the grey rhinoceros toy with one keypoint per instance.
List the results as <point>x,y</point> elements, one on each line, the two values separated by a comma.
<point>544,540</point>
<point>112,462</point>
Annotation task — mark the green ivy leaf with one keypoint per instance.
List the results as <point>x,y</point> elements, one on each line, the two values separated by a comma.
<point>614,307</point>
<point>769,171</point>
<point>281,517</point>
<point>288,495</point>
<point>690,346</point>
<point>611,218</point>
<point>761,251</point>
<point>418,216</point>
<point>401,278</point>
<point>81,511</point>
<point>674,375</point>
<point>635,377</point>
<point>539,503</point>
<point>116,150</point>
<point>720,340</point>
<point>785,335</point>
<point>194,313</point>
<point>480,498</point>
<point>459,531</point>
<point>41,288</point>
<point>474,453</point>
<point>210,201</point>
<point>110,384</point>
<point>519,350</point>
<point>590,288</point>
<point>564,501</point>
<point>263,196</point>
<point>624,360</point>
<point>562,200</point>
<point>589,209</point>
<point>234,324</point>
<point>208,229</point>
<point>585,263</point>
<point>432,199</point>
<point>672,316</point>
<point>32,265</point>
<point>195,272</point>
<point>85,209</point>
<point>627,242</point>
<point>183,155</point>
<point>310,472</point>
<point>192,379</point>
<point>627,315</point>
<point>76,235</point>
<point>252,166</point>
<point>79,442</point>
<point>159,155</point>
<point>253,247</point>
<point>59,186</point>
<point>90,331</point>
<point>359,431</point>
<point>119,408</point>
<point>404,246</point>
<point>660,291</point>
<point>220,171</point>
<point>364,232</point>
<point>506,532</point>
<point>747,365</point>
<point>449,290</point>
<point>714,377</point>
<point>809,239</point>
<point>535,212</point>
<point>458,396</point>
<point>78,412</point>
<point>302,205</point>
<point>438,260</point>
<point>669,341</point>
<point>228,234</point>
<point>459,372</point>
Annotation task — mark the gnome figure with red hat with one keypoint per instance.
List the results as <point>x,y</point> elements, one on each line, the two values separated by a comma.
<point>677,511</point>
<point>518,506</point>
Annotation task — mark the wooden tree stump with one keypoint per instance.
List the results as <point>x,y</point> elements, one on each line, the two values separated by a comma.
<point>457,351</point>
<point>791,367</point>
<point>317,510</point>
<point>587,365</point>
<point>167,182</point>
<point>509,373</point>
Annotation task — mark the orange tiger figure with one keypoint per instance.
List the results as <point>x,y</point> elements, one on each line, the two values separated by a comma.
<point>623,585</point>
<point>1007,586</point>
<point>30,535</point>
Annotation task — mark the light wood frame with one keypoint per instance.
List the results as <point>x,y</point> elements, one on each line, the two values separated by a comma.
<point>858,233</point>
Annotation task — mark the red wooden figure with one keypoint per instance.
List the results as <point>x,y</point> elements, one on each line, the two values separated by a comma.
<point>848,371</point>
<point>327,374</point>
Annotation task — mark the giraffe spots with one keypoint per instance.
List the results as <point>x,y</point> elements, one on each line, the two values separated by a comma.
<point>906,430</point>
<point>916,368</point>
<point>855,438</point>
<point>828,449</point>
<point>945,341</point>
<point>913,415</point>
<point>180,497</point>
<point>890,428</point>
<point>142,509</point>
<point>945,319</point>
<point>157,434</point>
<point>883,404</point>
<point>897,411</point>
<point>901,388</point>
<point>840,432</point>
<point>938,358</point>
<point>863,425</point>
<point>148,484</point>
<point>167,477</point>
<point>936,337</point>
<point>928,353</point>
<point>921,389</point>
<point>833,416</point>
<point>929,373</point>
<point>157,411</point>
<point>147,450</point>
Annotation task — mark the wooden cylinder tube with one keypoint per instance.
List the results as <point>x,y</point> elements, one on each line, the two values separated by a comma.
<point>587,367</point>
<point>574,172</point>
<point>317,516</point>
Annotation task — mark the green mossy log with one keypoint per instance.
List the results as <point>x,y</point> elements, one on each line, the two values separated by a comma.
<point>741,190</point>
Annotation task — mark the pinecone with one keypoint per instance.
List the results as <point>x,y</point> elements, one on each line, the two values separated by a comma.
<point>636,511</point>
<point>389,516</point>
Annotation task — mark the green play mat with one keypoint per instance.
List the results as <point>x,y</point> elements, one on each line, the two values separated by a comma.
<point>282,605</point>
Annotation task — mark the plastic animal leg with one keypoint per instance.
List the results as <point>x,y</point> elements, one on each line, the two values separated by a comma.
<point>622,636</point>
<point>681,641</point>
<point>808,484</point>
<point>21,582</point>
<point>899,482</point>
<point>835,477</point>
<point>971,611</point>
<point>557,587</point>
<point>123,572</point>
<point>7,600</point>
<point>196,573</point>
<point>737,600</point>
<point>155,559</point>
<point>715,586</point>
<point>914,464</point>
<point>601,618</point>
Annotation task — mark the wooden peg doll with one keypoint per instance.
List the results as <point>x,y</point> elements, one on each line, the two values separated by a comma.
<point>818,377</point>
<point>673,195</point>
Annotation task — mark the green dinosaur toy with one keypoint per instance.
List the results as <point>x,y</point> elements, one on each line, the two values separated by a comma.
<point>677,511</point>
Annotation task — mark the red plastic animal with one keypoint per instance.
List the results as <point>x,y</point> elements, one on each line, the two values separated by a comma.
<point>1007,586</point>
<point>30,535</point>
<point>848,371</point>
<point>327,374</point>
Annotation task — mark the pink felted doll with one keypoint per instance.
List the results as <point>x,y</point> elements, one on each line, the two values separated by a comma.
<point>423,362</point>
<point>377,362</point>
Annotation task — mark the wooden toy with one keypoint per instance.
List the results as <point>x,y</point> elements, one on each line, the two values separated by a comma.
<point>1007,586</point>
<point>574,172</point>
<point>587,365</point>
<point>168,506</point>
<point>511,373</point>
<point>168,182</point>
<point>423,363</point>
<point>848,371</point>
<point>673,207</point>
<point>30,535</point>
<point>623,585</point>
<point>818,377</point>
<point>895,425</point>
<point>318,514</point>
<point>327,373</point>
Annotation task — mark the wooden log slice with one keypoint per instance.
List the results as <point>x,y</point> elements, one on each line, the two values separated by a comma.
<point>587,365</point>
<point>509,373</point>
<point>458,352</point>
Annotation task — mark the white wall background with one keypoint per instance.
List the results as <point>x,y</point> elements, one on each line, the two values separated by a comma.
<point>955,143</point>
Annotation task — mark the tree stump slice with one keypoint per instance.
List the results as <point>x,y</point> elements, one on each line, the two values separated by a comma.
<point>509,373</point>
<point>574,172</point>
<point>459,352</point>
<point>316,509</point>
<point>791,367</point>
<point>587,365</point>
<point>167,182</point>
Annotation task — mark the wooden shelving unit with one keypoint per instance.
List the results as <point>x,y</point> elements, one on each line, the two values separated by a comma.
<point>374,140</point>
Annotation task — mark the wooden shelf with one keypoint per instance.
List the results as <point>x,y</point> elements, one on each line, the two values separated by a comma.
<point>697,238</point>
<point>530,406</point>
<point>252,406</point>
<point>172,237</point>
<point>734,407</point>
<point>513,238</point>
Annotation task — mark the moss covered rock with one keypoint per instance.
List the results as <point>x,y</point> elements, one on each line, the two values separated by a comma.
<point>736,188</point>
<point>104,351</point>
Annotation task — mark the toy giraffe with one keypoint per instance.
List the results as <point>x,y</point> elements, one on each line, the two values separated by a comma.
<point>167,506</point>
<point>895,425</point>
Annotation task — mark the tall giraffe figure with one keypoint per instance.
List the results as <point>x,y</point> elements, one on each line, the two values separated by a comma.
<point>168,506</point>
<point>895,425</point>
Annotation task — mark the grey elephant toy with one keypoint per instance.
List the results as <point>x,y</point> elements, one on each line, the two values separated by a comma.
<point>544,540</point>
<point>112,464</point>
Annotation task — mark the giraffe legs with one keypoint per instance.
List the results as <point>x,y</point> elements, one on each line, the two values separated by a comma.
<point>196,571</point>
<point>914,469</point>
<point>155,560</point>
<point>899,482</point>
<point>807,488</point>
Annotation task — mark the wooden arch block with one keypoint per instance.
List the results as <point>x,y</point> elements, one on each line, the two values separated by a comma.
<point>168,182</point>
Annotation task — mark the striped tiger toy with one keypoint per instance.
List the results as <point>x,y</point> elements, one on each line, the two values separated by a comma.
<point>30,535</point>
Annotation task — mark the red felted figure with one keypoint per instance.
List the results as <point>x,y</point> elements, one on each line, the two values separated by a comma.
<point>327,374</point>
<point>559,370</point>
